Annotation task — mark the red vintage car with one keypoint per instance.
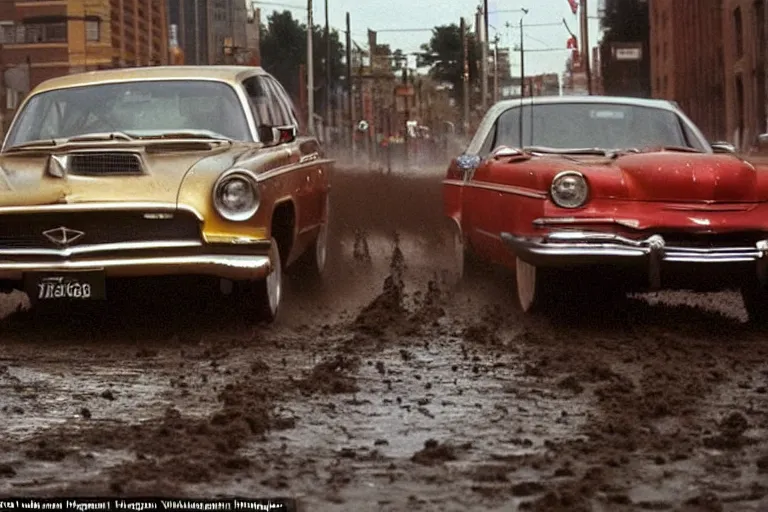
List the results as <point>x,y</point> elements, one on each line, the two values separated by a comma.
<point>623,192</point>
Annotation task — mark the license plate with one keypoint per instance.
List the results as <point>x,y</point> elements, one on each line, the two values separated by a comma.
<point>67,286</point>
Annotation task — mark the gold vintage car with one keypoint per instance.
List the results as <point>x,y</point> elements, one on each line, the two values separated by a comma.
<point>160,171</point>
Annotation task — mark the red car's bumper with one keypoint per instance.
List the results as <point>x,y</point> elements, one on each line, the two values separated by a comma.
<point>573,248</point>
<point>579,248</point>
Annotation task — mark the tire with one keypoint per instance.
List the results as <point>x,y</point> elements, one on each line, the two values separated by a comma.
<point>263,297</point>
<point>454,270</point>
<point>535,287</point>
<point>312,264</point>
<point>755,297</point>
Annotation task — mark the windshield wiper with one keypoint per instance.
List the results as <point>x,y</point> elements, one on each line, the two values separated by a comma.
<point>34,144</point>
<point>681,149</point>
<point>190,134</point>
<point>568,151</point>
<point>100,136</point>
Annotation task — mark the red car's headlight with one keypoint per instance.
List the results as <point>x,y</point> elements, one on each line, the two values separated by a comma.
<point>569,189</point>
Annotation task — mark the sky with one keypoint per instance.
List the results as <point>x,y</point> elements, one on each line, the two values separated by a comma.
<point>546,31</point>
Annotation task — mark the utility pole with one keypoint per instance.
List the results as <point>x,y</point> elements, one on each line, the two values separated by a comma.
<point>585,52</point>
<point>198,36</point>
<point>465,75</point>
<point>327,123</point>
<point>482,29</point>
<point>522,62</point>
<point>310,72</point>
<point>350,91</point>
<point>407,98</point>
<point>496,70</point>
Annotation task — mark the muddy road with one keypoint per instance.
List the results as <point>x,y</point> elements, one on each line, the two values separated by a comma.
<point>385,391</point>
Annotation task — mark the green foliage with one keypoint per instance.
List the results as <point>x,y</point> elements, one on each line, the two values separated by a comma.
<point>626,20</point>
<point>444,55</point>
<point>284,49</point>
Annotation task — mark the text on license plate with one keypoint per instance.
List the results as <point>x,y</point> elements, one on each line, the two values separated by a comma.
<point>74,286</point>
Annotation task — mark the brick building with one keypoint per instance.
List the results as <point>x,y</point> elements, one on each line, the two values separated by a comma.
<point>41,40</point>
<point>744,33</point>
<point>687,60</point>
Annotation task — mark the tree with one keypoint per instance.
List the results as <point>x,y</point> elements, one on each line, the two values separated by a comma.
<point>626,21</point>
<point>284,50</point>
<point>444,55</point>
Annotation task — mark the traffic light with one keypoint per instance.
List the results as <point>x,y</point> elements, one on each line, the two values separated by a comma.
<point>228,46</point>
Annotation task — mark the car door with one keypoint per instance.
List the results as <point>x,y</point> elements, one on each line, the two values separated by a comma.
<point>308,170</point>
<point>479,204</point>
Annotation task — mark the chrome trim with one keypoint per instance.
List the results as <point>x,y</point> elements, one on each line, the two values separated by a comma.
<point>101,206</point>
<point>573,248</point>
<point>506,189</point>
<point>549,221</point>
<point>95,248</point>
<point>273,173</point>
<point>222,266</point>
<point>487,234</point>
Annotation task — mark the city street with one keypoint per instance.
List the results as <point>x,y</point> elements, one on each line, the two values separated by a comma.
<point>386,391</point>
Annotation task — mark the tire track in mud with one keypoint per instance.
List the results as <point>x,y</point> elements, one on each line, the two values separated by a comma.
<point>662,433</point>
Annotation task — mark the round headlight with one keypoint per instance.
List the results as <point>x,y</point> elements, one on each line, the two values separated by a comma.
<point>569,190</point>
<point>236,197</point>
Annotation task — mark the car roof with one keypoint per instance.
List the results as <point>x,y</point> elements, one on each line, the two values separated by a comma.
<point>229,74</point>
<point>622,100</point>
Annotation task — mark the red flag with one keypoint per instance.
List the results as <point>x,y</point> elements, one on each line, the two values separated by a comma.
<point>572,43</point>
<point>574,5</point>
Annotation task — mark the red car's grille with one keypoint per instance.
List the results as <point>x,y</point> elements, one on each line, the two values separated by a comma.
<point>26,230</point>
<point>713,240</point>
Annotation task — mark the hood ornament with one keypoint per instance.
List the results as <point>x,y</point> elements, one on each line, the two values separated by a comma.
<point>62,236</point>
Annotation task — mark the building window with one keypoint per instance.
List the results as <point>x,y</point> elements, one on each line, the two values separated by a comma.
<point>738,31</point>
<point>665,52</point>
<point>11,99</point>
<point>33,33</point>
<point>92,30</point>
<point>665,90</point>
<point>7,32</point>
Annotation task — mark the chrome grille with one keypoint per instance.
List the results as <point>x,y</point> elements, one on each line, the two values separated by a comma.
<point>102,164</point>
<point>105,227</point>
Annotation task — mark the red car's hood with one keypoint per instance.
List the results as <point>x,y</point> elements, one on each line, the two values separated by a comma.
<point>681,177</point>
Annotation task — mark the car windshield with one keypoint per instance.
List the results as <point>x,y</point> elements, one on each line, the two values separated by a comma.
<point>135,108</point>
<point>592,125</point>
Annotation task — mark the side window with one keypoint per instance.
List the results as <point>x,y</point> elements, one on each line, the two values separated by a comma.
<point>490,142</point>
<point>263,112</point>
<point>280,102</point>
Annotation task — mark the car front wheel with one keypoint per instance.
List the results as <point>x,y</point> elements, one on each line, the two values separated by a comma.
<point>263,297</point>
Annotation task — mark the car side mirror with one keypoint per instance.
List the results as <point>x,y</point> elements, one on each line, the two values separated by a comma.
<point>276,134</point>
<point>723,147</point>
<point>284,134</point>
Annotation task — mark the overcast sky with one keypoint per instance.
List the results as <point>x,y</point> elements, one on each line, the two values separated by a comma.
<point>384,15</point>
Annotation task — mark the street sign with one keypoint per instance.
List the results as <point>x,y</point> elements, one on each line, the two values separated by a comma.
<point>627,51</point>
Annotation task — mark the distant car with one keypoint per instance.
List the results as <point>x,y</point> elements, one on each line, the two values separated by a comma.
<point>161,171</point>
<point>572,191</point>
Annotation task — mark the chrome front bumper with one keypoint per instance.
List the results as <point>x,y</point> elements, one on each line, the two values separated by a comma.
<point>236,261</point>
<point>574,248</point>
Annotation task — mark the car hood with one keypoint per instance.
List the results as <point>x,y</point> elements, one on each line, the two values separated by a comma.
<point>680,177</point>
<point>25,180</point>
